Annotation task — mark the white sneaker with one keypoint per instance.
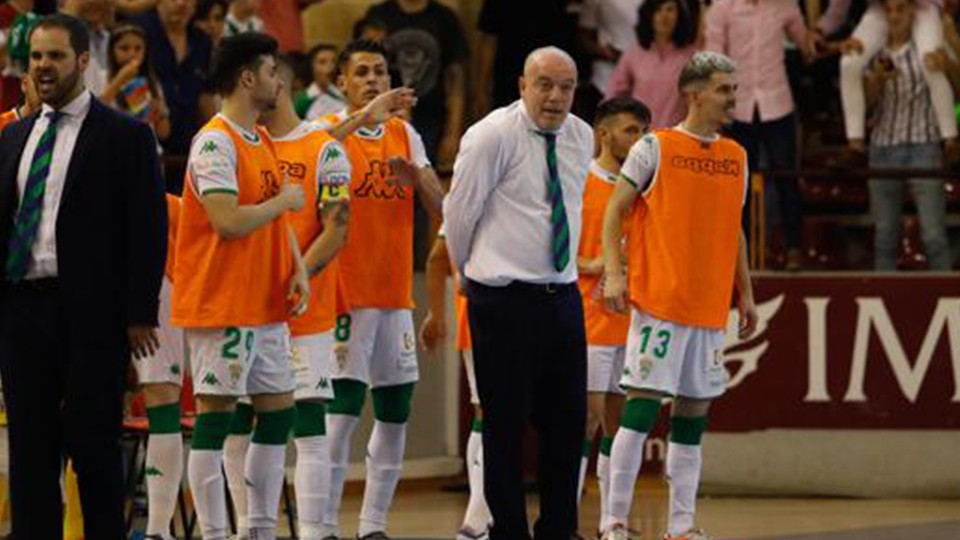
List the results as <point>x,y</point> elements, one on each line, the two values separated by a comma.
<point>617,531</point>
<point>692,534</point>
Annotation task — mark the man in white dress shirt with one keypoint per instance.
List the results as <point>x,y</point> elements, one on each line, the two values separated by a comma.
<point>513,225</point>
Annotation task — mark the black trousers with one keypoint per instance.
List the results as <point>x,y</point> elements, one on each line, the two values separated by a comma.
<point>63,386</point>
<point>530,353</point>
<point>778,140</point>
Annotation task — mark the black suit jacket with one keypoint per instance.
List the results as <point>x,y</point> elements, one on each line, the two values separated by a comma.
<point>111,229</point>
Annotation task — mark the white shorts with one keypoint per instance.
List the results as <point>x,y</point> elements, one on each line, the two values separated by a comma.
<point>377,347</point>
<point>312,358</point>
<point>471,376</point>
<point>237,361</point>
<point>674,359</point>
<point>604,367</point>
<point>166,366</point>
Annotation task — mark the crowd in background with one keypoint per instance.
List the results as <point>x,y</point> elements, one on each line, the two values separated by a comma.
<point>888,68</point>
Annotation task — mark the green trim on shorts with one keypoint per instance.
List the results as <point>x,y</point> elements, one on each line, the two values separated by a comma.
<point>687,430</point>
<point>211,430</point>
<point>164,419</point>
<point>273,427</point>
<point>606,446</point>
<point>242,422</point>
<point>311,419</point>
<point>348,397</point>
<point>392,403</point>
<point>640,414</point>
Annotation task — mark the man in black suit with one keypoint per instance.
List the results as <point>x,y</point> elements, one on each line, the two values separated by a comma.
<point>82,247</point>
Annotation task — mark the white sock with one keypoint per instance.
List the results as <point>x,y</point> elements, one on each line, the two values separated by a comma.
<point>206,484</point>
<point>584,463</point>
<point>683,474</point>
<point>603,485</point>
<point>384,463</point>
<point>339,430</point>
<point>234,462</point>
<point>164,474</point>
<point>264,475</point>
<point>626,457</point>
<point>312,482</point>
<point>477,517</point>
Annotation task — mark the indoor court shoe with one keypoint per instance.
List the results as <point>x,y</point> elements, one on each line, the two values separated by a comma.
<point>467,533</point>
<point>379,535</point>
<point>617,531</point>
<point>692,534</point>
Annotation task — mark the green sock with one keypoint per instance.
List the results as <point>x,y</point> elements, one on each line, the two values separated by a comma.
<point>606,444</point>
<point>242,421</point>
<point>273,427</point>
<point>686,430</point>
<point>211,430</point>
<point>164,418</point>
<point>311,419</point>
<point>640,414</point>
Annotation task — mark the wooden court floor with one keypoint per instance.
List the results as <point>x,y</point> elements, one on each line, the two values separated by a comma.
<point>426,510</point>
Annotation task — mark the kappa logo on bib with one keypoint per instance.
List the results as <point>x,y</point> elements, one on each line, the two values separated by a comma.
<point>380,183</point>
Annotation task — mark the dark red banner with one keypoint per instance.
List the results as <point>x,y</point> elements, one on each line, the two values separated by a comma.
<point>846,351</point>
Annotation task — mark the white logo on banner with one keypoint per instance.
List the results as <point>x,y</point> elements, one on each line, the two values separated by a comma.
<point>747,354</point>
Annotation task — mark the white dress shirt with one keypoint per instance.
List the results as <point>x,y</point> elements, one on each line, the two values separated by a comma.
<point>497,214</point>
<point>44,250</point>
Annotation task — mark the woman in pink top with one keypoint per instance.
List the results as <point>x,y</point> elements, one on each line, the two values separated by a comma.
<point>665,42</point>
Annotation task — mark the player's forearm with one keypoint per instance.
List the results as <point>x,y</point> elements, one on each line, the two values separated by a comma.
<point>350,124</point>
<point>744,284</point>
<point>590,267</point>
<point>612,232</point>
<point>326,246</point>
<point>232,221</point>
<point>298,264</point>
<point>438,268</point>
<point>431,192</point>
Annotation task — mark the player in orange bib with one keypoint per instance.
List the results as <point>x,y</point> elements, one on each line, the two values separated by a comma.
<point>619,123</point>
<point>239,277</point>
<point>685,252</point>
<point>476,518</point>
<point>376,343</point>
<point>160,376</point>
<point>311,157</point>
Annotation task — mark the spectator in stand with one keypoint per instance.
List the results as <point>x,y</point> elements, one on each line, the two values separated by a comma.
<point>606,31</point>
<point>752,32</point>
<point>210,17</point>
<point>906,136</point>
<point>429,51</point>
<point>665,36</point>
<point>282,20</point>
<point>16,20</point>
<point>181,59</point>
<point>507,38</point>
<point>133,87</point>
<point>322,97</point>
<point>98,15</point>
<point>242,17</point>
<point>868,38</point>
<point>370,29</point>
